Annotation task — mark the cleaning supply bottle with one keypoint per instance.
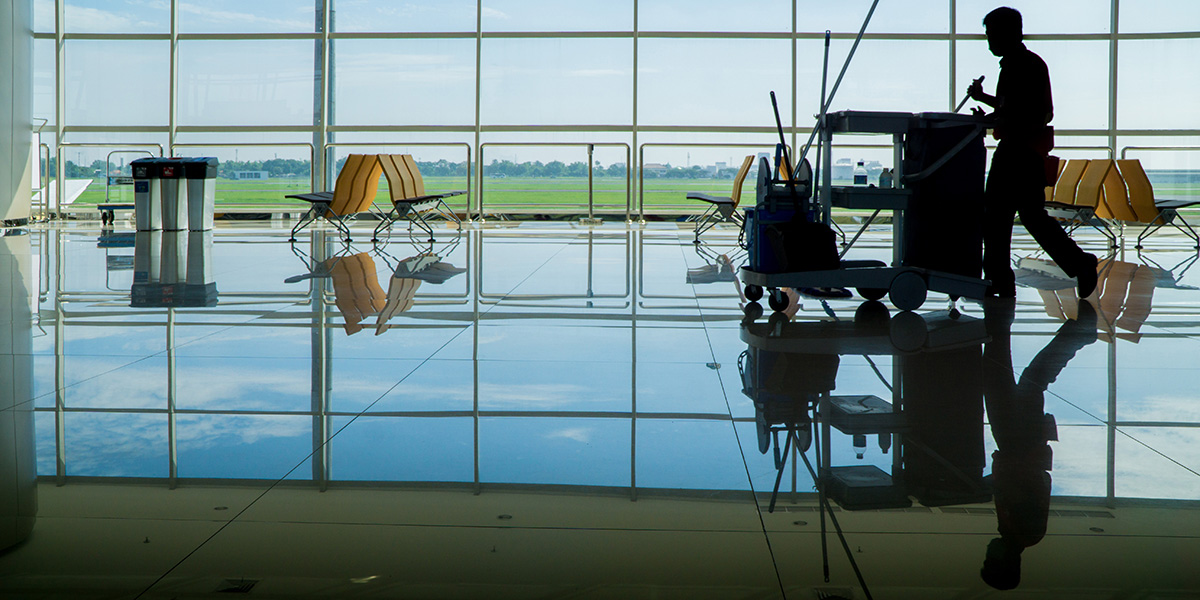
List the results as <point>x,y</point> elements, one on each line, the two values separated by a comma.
<point>860,174</point>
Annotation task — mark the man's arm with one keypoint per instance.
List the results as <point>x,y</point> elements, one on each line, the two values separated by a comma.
<point>975,91</point>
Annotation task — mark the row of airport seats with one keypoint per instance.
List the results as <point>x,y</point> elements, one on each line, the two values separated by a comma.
<point>355,189</point>
<point>1103,192</point>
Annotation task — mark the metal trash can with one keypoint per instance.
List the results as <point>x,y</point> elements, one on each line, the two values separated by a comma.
<point>201,176</point>
<point>174,194</point>
<point>147,194</point>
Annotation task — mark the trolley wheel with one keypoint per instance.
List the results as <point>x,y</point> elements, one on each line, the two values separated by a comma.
<point>753,310</point>
<point>872,293</point>
<point>778,300</point>
<point>908,291</point>
<point>753,292</point>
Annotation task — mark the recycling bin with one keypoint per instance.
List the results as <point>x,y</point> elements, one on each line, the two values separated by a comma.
<point>201,174</point>
<point>147,194</point>
<point>174,194</point>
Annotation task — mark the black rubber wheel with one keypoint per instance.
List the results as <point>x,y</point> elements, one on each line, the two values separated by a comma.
<point>753,292</point>
<point>908,291</point>
<point>872,293</point>
<point>778,300</point>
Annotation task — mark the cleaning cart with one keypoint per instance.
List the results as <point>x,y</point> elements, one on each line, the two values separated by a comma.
<point>936,203</point>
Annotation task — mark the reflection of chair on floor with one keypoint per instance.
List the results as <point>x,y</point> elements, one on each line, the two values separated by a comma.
<point>406,279</point>
<point>1154,213</point>
<point>1123,300</point>
<point>722,208</point>
<point>409,200</point>
<point>717,267</point>
<point>353,192</point>
<point>356,288</point>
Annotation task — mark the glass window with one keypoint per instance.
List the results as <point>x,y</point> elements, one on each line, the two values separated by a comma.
<point>1039,16</point>
<point>1078,78</point>
<point>714,15</point>
<point>894,16</point>
<point>105,16</point>
<point>404,82</point>
<point>712,82</point>
<point>556,81</point>
<point>44,84</point>
<point>1140,16</point>
<point>874,81</point>
<point>43,16</point>
<point>555,15</point>
<point>414,15</point>
<point>117,82</point>
<point>1157,84</point>
<point>218,86</point>
<point>237,16</point>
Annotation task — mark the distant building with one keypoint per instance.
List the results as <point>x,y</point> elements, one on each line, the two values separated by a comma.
<point>657,168</point>
<point>239,175</point>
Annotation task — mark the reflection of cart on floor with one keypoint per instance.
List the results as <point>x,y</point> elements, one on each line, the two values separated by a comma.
<point>936,202</point>
<point>789,370</point>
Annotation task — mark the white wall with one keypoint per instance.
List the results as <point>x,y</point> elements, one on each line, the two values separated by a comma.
<point>16,108</point>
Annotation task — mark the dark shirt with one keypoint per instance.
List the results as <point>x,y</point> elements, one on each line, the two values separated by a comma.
<point>1027,106</point>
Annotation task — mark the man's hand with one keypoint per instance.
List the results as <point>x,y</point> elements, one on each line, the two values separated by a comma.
<point>975,90</point>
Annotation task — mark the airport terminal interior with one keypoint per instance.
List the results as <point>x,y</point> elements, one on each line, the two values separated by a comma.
<point>578,386</point>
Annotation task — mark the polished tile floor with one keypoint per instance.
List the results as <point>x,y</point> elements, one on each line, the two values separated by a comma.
<point>544,410</point>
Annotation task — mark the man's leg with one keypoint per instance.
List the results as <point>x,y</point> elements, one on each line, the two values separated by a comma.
<point>998,213</point>
<point>1063,250</point>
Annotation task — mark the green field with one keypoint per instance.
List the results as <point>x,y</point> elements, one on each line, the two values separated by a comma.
<point>511,194</point>
<point>499,194</point>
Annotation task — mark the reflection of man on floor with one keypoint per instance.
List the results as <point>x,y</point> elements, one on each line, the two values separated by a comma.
<point>1016,183</point>
<point>1022,430</point>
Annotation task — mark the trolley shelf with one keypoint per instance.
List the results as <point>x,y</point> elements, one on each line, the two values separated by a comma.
<point>870,198</point>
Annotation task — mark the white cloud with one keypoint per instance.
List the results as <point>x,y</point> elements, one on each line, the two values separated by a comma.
<point>578,434</point>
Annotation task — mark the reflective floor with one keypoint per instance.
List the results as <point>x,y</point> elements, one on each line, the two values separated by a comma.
<point>544,410</point>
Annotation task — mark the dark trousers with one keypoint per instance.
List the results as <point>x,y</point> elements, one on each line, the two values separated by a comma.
<point>1016,185</point>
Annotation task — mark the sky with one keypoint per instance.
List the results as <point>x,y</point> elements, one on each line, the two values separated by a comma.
<point>396,80</point>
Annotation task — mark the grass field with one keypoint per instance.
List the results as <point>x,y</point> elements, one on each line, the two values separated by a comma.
<point>523,193</point>
<point>517,194</point>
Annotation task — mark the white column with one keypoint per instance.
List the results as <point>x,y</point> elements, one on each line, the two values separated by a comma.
<point>16,109</point>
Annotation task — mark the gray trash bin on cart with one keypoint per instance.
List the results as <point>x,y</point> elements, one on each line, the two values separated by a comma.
<point>201,176</point>
<point>147,194</point>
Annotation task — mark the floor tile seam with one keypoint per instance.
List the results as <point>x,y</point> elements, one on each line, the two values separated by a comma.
<point>460,526</point>
<point>737,438</point>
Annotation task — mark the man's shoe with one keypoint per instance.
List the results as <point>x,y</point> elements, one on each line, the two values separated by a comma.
<point>1085,276</point>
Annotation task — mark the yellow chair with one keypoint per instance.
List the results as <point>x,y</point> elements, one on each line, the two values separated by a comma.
<point>1078,196</point>
<point>409,198</point>
<point>1153,213</point>
<point>353,192</point>
<point>722,208</point>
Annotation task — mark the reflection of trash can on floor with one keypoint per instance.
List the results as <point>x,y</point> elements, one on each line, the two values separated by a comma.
<point>201,176</point>
<point>147,194</point>
<point>174,194</point>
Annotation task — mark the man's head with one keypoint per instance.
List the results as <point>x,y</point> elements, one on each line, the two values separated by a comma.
<point>1003,28</point>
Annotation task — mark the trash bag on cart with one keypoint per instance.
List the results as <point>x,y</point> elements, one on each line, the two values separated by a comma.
<point>781,242</point>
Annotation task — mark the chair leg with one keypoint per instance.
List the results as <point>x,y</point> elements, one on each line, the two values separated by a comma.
<point>1191,233</point>
<point>384,223</point>
<point>706,221</point>
<point>307,219</point>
